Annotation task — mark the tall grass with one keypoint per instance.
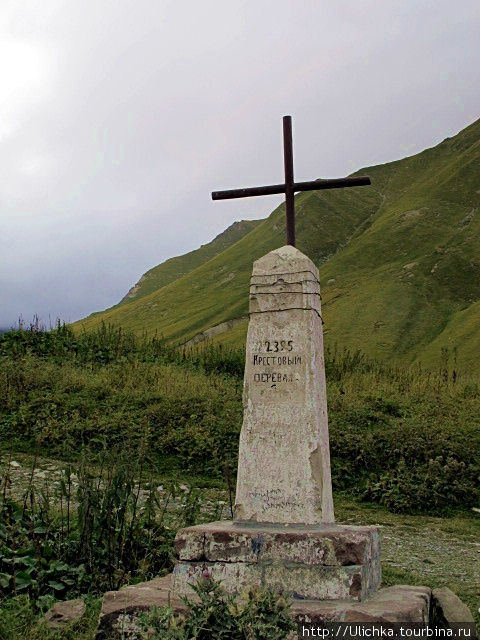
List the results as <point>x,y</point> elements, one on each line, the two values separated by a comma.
<point>100,524</point>
<point>110,344</point>
<point>407,438</point>
<point>98,527</point>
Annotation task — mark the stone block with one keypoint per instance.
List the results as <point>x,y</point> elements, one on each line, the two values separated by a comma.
<point>234,576</point>
<point>321,562</point>
<point>448,611</point>
<point>397,604</point>
<point>321,545</point>
<point>128,601</point>
<point>318,582</point>
<point>298,581</point>
<point>63,613</point>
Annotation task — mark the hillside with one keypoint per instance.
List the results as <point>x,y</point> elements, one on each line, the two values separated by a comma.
<point>177,267</point>
<point>399,263</point>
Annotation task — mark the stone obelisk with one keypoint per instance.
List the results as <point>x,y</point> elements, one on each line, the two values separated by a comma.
<point>283,536</point>
<point>284,459</point>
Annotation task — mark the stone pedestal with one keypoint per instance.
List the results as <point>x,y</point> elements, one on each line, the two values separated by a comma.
<point>326,562</point>
<point>282,536</point>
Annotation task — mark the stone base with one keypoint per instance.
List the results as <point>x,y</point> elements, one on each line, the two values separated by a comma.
<point>401,603</point>
<point>388,605</point>
<point>324,562</point>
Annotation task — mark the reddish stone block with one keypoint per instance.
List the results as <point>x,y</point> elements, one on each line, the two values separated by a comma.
<point>322,545</point>
<point>321,562</point>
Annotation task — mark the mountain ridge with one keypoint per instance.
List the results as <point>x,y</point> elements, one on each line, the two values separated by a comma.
<point>402,257</point>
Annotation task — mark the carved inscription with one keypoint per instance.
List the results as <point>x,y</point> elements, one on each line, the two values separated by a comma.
<point>273,346</point>
<point>275,377</point>
<point>271,498</point>
<point>276,360</point>
<point>267,354</point>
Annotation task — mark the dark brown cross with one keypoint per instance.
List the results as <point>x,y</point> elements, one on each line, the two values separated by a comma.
<point>290,187</point>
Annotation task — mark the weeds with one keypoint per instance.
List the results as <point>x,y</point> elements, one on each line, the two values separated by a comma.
<point>404,437</point>
<point>214,615</point>
<point>97,532</point>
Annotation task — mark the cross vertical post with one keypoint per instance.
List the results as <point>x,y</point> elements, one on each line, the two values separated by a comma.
<point>289,193</point>
<point>289,188</point>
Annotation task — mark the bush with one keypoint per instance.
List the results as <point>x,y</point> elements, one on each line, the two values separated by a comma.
<point>443,483</point>
<point>99,531</point>
<point>255,615</point>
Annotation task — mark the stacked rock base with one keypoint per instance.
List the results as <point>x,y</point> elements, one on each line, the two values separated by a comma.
<point>331,572</point>
<point>403,604</point>
<point>324,562</point>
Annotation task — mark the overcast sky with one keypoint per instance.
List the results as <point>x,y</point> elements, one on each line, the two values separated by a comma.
<point>118,118</point>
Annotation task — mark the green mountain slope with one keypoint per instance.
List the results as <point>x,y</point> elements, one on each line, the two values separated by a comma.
<point>399,263</point>
<point>177,267</point>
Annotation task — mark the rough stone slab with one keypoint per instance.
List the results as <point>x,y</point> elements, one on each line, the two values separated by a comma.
<point>317,582</point>
<point>400,603</point>
<point>277,294</point>
<point>135,598</point>
<point>392,604</point>
<point>322,545</point>
<point>448,610</point>
<point>63,613</point>
<point>284,457</point>
<point>295,277</point>
<point>234,576</point>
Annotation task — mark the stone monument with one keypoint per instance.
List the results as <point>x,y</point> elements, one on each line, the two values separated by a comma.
<point>284,458</point>
<point>283,534</point>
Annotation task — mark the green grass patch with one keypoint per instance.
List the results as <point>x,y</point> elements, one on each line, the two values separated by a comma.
<point>402,437</point>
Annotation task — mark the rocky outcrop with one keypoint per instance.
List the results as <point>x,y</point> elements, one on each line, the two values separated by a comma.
<point>214,331</point>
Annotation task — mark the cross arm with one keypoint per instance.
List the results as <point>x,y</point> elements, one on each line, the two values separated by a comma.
<point>312,185</point>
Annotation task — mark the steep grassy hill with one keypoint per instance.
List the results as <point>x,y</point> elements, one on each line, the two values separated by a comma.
<point>177,267</point>
<point>399,263</point>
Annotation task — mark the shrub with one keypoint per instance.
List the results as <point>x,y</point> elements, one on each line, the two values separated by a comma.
<point>97,533</point>
<point>255,615</point>
<point>442,484</point>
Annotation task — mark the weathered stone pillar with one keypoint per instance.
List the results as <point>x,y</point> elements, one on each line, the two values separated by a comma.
<point>284,460</point>
<point>283,536</point>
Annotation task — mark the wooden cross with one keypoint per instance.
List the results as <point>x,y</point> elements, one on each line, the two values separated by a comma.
<point>290,187</point>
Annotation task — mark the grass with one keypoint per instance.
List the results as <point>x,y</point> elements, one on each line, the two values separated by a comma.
<point>406,438</point>
<point>440,534</point>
